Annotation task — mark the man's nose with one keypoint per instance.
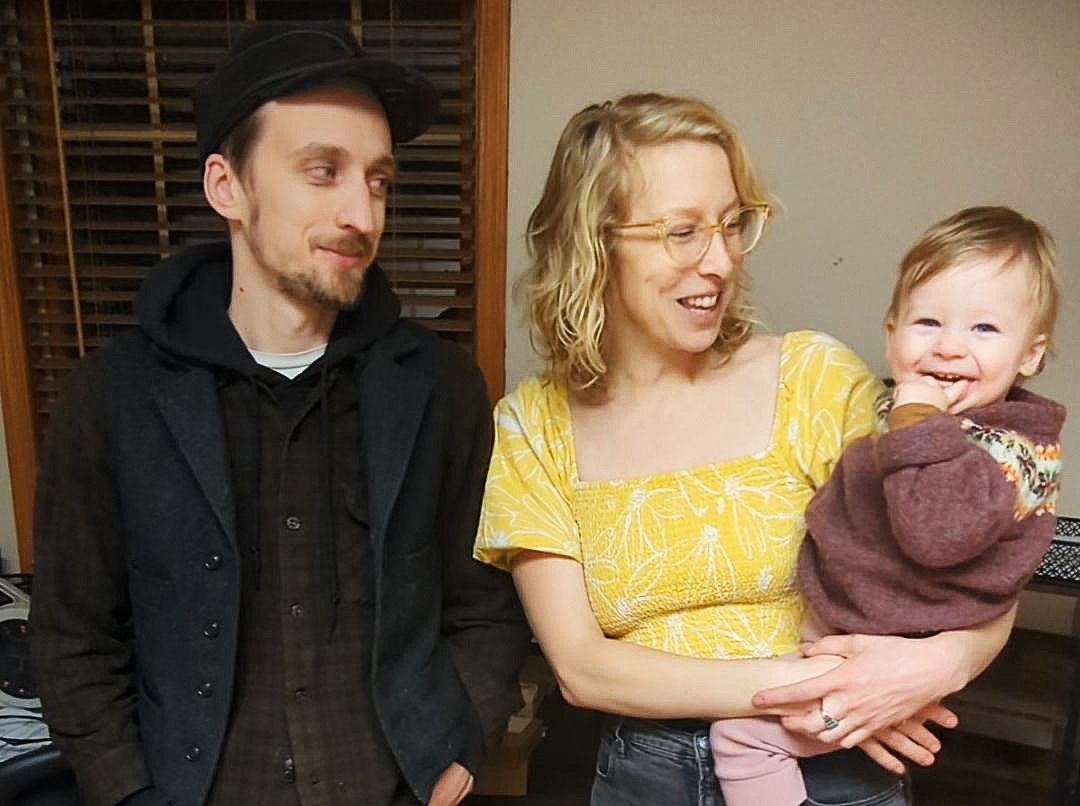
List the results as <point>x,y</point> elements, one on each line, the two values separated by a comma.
<point>357,210</point>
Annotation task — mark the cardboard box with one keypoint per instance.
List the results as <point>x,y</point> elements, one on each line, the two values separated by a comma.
<point>506,771</point>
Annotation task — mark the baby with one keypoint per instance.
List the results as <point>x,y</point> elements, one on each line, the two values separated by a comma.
<point>937,521</point>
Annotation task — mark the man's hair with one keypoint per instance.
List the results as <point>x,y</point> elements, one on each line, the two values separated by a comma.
<point>986,232</point>
<point>237,145</point>
<point>590,187</point>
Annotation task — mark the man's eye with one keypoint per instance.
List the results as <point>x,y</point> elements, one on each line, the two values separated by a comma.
<point>322,173</point>
<point>380,185</point>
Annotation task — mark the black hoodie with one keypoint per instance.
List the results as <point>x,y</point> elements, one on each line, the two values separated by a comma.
<point>183,307</point>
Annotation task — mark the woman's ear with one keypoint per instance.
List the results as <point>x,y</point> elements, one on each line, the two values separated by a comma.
<point>223,188</point>
<point>1034,358</point>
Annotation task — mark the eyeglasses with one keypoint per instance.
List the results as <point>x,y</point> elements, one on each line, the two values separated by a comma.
<point>687,240</point>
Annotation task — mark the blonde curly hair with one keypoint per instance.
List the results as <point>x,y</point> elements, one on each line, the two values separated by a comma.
<point>589,189</point>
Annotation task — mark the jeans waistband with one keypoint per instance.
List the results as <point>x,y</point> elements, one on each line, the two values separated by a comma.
<point>689,726</point>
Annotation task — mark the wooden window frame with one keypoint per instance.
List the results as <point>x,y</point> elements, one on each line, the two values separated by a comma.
<point>492,112</point>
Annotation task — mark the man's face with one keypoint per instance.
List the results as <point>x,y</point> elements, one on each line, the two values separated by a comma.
<point>315,189</point>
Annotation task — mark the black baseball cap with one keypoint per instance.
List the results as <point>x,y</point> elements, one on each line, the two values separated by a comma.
<point>277,59</point>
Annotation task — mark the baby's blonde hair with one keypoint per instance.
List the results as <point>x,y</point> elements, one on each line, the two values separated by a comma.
<point>986,232</point>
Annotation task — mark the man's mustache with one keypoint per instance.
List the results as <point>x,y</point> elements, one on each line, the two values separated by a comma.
<point>353,246</point>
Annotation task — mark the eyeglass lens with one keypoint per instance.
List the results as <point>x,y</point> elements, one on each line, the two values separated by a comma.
<point>689,242</point>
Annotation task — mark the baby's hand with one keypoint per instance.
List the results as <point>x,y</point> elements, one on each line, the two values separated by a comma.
<point>928,391</point>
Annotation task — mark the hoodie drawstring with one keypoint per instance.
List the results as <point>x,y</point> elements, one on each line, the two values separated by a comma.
<point>329,551</point>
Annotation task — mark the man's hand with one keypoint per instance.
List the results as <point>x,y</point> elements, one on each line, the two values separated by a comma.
<point>453,785</point>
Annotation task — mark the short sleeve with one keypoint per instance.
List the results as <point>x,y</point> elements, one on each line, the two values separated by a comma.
<point>832,400</point>
<point>527,495</point>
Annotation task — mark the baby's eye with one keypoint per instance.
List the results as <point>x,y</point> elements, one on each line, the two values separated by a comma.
<point>985,327</point>
<point>927,322</point>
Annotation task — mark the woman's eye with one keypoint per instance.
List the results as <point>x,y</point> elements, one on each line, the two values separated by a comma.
<point>734,224</point>
<point>683,231</point>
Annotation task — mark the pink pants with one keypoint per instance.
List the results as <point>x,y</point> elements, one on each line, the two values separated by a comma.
<point>756,761</point>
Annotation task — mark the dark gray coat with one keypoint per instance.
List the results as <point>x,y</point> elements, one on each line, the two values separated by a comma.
<point>137,552</point>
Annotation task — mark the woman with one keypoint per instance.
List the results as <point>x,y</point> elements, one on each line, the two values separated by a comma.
<point>647,492</point>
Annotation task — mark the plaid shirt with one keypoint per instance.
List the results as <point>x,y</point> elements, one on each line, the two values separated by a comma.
<point>303,728</point>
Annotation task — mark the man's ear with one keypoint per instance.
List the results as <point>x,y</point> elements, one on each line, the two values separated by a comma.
<point>1034,357</point>
<point>223,189</point>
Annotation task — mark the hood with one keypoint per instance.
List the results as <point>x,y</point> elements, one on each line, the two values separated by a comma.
<point>183,307</point>
<point>1022,410</point>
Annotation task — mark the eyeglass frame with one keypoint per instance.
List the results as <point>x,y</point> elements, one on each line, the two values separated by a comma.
<point>660,227</point>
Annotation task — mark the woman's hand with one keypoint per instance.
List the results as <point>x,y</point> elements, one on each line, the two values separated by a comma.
<point>910,739</point>
<point>885,681</point>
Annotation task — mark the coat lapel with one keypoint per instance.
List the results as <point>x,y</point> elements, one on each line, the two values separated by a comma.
<point>392,403</point>
<point>189,405</point>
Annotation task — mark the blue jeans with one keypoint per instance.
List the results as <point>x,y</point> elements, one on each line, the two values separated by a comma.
<point>647,763</point>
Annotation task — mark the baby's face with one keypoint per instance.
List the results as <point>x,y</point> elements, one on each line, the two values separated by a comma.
<point>968,331</point>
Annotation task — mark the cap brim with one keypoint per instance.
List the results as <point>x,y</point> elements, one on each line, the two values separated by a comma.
<point>409,99</point>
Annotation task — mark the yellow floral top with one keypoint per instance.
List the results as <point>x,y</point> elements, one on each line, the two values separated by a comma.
<point>696,562</point>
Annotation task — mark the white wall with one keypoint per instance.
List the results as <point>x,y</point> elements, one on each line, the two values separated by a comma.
<point>869,120</point>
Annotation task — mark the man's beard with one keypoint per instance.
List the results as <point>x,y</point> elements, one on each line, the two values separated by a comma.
<point>339,289</point>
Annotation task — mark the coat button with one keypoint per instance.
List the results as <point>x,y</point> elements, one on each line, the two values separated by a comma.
<point>292,523</point>
<point>300,694</point>
<point>205,689</point>
<point>193,753</point>
<point>288,775</point>
<point>212,562</point>
<point>212,629</point>
<point>297,610</point>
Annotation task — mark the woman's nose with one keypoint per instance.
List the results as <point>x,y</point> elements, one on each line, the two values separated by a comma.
<point>717,259</point>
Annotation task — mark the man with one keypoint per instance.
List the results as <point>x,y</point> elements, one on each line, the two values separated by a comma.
<point>256,510</point>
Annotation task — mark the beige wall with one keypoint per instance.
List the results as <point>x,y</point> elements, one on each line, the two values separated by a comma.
<point>869,120</point>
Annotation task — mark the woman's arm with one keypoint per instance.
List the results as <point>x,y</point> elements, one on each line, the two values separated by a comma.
<point>620,677</point>
<point>886,680</point>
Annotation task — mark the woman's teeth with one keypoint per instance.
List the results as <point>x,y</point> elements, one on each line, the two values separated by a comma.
<point>700,303</point>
